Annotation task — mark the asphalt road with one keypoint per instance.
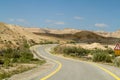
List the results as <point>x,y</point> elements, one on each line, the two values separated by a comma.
<point>65,69</point>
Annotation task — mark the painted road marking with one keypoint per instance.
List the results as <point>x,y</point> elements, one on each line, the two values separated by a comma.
<point>107,71</point>
<point>55,71</point>
<point>60,65</point>
<point>51,74</point>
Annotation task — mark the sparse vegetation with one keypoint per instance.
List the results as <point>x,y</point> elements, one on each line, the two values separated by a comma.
<point>19,55</point>
<point>71,41</point>
<point>73,51</point>
<point>102,57</point>
<point>48,42</point>
<point>20,69</point>
<point>98,55</point>
<point>117,61</point>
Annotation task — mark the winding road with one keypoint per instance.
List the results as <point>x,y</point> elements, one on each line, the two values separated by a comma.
<point>66,69</point>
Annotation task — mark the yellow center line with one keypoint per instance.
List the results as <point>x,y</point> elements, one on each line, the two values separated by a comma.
<point>51,74</point>
<point>107,71</point>
<point>60,65</point>
<point>55,71</point>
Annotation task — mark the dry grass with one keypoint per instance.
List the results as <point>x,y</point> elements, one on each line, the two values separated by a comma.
<point>15,69</point>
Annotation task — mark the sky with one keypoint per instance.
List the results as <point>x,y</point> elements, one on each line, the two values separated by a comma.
<point>97,15</point>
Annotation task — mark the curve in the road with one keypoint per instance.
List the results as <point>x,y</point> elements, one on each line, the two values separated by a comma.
<point>60,65</point>
<point>107,71</point>
<point>56,70</point>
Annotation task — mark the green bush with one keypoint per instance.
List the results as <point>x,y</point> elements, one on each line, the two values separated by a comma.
<point>110,51</point>
<point>69,50</point>
<point>102,57</point>
<point>4,75</point>
<point>82,52</point>
<point>1,61</point>
<point>25,44</point>
<point>21,54</point>
<point>117,61</point>
<point>73,51</point>
<point>98,54</point>
<point>6,62</point>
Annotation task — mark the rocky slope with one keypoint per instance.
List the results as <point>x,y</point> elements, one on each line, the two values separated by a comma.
<point>14,35</point>
<point>82,37</point>
<point>53,31</point>
<point>72,31</point>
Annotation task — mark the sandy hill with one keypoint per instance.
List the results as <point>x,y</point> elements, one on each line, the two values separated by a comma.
<point>14,35</point>
<point>52,31</point>
<point>82,36</point>
<point>90,37</point>
<point>115,34</point>
<point>72,31</point>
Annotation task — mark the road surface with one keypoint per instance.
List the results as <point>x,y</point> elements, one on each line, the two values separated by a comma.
<point>65,69</point>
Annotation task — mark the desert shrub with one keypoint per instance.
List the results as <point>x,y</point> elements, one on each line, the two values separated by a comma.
<point>25,57</point>
<point>46,42</point>
<point>59,49</point>
<point>25,44</point>
<point>1,61</point>
<point>98,54</point>
<point>110,51</point>
<point>21,54</point>
<point>69,50</point>
<point>82,52</point>
<point>6,62</point>
<point>4,75</point>
<point>95,51</point>
<point>72,42</point>
<point>117,61</point>
<point>73,51</point>
<point>102,57</point>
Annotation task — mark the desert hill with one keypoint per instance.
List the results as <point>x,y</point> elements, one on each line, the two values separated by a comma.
<point>82,37</point>
<point>52,31</point>
<point>115,34</point>
<point>14,35</point>
<point>72,31</point>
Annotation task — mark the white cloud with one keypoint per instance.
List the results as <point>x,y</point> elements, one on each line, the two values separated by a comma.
<point>53,22</point>
<point>100,25</point>
<point>18,20</point>
<point>59,23</point>
<point>21,20</point>
<point>48,21</point>
<point>12,20</point>
<point>60,14</point>
<point>78,18</point>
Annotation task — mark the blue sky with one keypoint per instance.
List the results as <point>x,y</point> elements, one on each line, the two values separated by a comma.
<point>59,14</point>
